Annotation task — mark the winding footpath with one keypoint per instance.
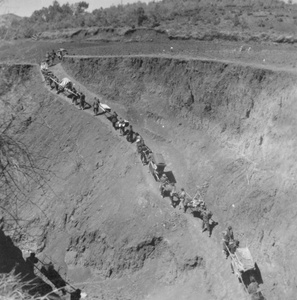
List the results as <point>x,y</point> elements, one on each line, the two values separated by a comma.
<point>218,281</point>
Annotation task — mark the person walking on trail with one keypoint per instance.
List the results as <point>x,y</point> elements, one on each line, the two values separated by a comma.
<point>206,216</point>
<point>162,189</point>
<point>164,178</point>
<point>182,197</point>
<point>82,103</point>
<point>173,196</point>
<point>233,245</point>
<point>96,105</point>
<point>184,201</point>
<point>130,134</point>
<point>56,82</point>
<point>228,237</point>
<point>49,80</point>
<point>139,140</point>
<point>75,96</point>
<point>187,203</point>
<point>201,204</point>
<point>114,119</point>
<point>47,58</point>
<point>53,56</point>
<point>225,243</point>
<point>121,125</point>
<point>164,182</point>
<point>145,155</point>
<point>230,234</point>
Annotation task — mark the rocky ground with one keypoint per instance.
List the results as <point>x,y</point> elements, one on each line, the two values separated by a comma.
<point>225,126</point>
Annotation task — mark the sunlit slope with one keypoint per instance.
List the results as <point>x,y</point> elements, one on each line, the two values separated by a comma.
<point>234,127</point>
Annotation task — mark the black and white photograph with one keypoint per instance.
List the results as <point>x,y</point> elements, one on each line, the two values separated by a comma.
<point>148,149</point>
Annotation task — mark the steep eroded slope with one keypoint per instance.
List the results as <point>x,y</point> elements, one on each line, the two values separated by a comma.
<point>232,128</point>
<point>96,213</point>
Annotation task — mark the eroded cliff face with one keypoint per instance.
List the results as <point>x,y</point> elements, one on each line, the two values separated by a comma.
<point>232,128</point>
<point>94,210</point>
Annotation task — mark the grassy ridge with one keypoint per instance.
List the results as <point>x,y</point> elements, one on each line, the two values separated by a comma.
<point>185,18</point>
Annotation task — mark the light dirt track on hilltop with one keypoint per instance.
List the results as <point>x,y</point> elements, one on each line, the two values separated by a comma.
<point>262,66</point>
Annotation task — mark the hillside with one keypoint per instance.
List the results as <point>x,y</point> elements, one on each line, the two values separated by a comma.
<point>231,125</point>
<point>98,217</point>
<point>223,126</point>
<point>7,19</point>
<point>210,85</point>
<point>259,20</point>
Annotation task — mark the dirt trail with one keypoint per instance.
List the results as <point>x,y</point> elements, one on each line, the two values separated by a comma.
<point>219,282</point>
<point>244,147</point>
<point>263,66</point>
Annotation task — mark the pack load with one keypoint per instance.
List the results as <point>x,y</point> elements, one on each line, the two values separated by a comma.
<point>66,86</point>
<point>242,261</point>
<point>244,267</point>
<point>157,165</point>
<point>66,83</point>
<point>105,107</point>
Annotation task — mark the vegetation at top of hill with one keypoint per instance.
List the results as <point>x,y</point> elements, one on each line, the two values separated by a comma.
<point>185,16</point>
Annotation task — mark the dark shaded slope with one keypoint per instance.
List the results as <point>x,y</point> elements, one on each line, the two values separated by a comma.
<point>11,261</point>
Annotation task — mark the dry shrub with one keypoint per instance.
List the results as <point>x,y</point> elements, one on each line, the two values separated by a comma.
<point>12,288</point>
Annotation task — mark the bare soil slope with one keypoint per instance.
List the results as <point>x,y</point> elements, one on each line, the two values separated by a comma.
<point>98,215</point>
<point>233,127</point>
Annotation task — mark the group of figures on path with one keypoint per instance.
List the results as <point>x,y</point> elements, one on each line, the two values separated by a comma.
<point>65,86</point>
<point>181,199</point>
<point>50,56</point>
<point>167,187</point>
<point>196,205</point>
<point>79,99</point>
<point>242,263</point>
<point>248,271</point>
